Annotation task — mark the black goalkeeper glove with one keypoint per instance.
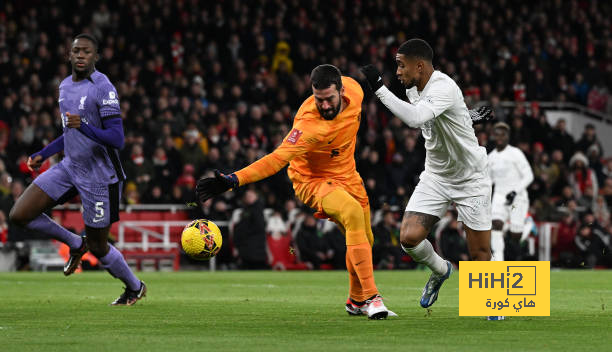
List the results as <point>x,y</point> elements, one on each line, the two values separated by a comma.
<point>373,77</point>
<point>510,197</point>
<point>209,187</point>
<point>480,115</point>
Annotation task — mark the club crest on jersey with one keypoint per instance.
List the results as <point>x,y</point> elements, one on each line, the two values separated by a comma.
<point>82,103</point>
<point>294,136</point>
<point>428,99</point>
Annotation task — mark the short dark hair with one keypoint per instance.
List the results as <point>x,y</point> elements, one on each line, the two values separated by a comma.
<point>416,48</point>
<point>89,37</point>
<point>323,76</point>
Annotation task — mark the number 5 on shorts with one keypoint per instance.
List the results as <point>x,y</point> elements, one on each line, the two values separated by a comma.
<point>99,211</point>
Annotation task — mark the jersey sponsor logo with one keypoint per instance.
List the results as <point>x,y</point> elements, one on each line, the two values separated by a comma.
<point>294,136</point>
<point>82,103</point>
<point>112,99</point>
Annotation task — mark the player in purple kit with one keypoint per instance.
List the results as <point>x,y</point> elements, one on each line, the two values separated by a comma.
<point>93,134</point>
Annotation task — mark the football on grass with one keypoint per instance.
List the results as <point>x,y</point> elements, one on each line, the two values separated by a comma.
<point>201,239</point>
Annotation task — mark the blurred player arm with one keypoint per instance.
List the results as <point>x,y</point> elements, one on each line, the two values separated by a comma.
<point>111,134</point>
<point>36,159</point>
<point>299,141</point>
<point>438,99</point>
<point>412,115</point>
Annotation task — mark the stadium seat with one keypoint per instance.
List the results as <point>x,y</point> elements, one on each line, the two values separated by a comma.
<point>282,256</point>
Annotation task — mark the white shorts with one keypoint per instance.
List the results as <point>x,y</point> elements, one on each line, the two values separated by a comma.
<point>471,198</point>
<point>514,213</point>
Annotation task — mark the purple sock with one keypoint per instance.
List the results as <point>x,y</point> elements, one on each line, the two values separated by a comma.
<point>44,224</point>
<point>114,262</point>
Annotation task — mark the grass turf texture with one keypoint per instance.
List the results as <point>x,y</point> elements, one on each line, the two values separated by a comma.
<point>285,311</point>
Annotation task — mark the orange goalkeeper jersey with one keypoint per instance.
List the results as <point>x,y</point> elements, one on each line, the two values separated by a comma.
<point>315,147</point>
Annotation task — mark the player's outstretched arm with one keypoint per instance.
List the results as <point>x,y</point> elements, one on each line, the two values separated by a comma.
<point>298,142</point>
<point>412,115</point>
<point>36,159</point>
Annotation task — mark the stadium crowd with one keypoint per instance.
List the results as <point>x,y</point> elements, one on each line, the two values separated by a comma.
<point>214,85</point>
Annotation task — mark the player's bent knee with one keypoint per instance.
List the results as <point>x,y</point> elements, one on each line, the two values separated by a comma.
<point>352,216</point>
<point>410,236</point>
<point>18,217</point>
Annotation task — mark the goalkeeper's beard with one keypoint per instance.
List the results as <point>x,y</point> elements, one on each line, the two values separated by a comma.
<point>330,114</point>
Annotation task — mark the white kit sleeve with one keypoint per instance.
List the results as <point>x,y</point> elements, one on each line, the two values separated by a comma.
<point>439,98</point>
<point>524,170</point>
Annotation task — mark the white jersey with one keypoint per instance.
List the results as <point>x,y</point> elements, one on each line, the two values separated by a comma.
<point>510,171</point>
<point>453,154</point>
<point>452,148</point>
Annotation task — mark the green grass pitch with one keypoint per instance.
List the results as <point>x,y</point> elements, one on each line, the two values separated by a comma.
<point>285,311</point>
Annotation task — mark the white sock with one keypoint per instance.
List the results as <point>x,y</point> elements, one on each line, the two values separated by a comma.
<point>424,253</point>
<point>497,245</point>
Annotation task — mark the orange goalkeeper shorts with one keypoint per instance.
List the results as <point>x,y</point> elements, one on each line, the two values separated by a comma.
<point>314,190</point>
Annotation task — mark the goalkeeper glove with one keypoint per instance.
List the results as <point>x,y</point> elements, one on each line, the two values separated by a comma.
<point>209,187</point>
<point>480,115</point>
<point>510,197</point>
<point>373,77</point>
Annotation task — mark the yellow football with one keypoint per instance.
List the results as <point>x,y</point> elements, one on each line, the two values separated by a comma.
<point>201,239</point>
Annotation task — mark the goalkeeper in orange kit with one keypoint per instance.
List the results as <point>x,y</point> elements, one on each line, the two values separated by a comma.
<point>320,151</point>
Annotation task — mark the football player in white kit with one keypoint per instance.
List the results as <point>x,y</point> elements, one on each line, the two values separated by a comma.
<point>455,165</point>
<point>511,175</point>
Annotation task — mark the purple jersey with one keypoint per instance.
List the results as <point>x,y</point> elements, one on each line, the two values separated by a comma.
<point>94,99</point>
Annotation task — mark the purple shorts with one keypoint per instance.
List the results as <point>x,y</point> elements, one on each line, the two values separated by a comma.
<point>100,201</point>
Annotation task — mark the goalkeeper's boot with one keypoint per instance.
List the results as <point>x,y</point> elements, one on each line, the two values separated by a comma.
<point>75,257</point>
<point>129,297</point>
<point>432,287</point>
<point>377,309</point>
<point>356,308</point>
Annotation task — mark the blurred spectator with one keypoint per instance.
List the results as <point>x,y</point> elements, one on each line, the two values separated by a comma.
<point>139,169</point>
<point>310,245</point>
<point>563,252</point>
<point>451,243</point>
<point>192,151</point>
<point>186,179</point>
<point>562,140</point>
<point>386,252</point>
<point>3,228</point>
<point>590,247</point>
<point>582,179</point>
<point>589,138</point>
<point>250,233</point>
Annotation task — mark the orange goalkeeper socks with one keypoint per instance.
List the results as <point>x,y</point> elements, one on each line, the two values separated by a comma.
<point>355,290</point>
<point>360,255</point>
